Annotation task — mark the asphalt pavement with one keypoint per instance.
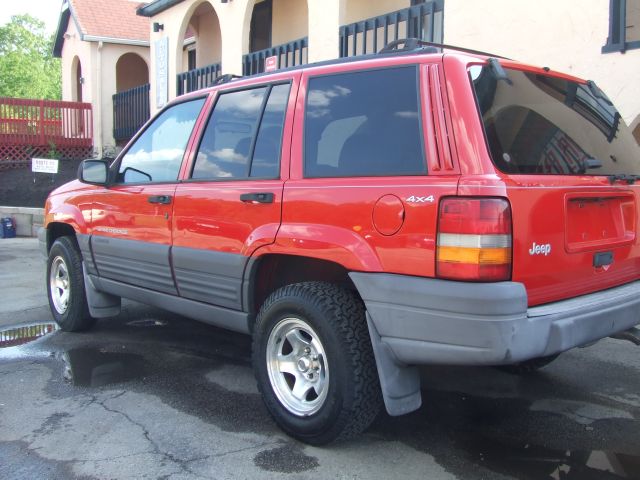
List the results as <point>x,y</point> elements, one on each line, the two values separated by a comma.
<point>149,394</point>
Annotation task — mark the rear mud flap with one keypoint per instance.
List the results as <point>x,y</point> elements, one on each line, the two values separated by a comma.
<point>400,383</point>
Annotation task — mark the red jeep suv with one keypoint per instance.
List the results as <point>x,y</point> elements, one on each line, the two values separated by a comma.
<point>360,218</point>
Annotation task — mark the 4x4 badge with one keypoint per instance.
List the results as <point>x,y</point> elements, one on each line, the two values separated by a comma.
<point>544,249</point>
<point>416,199</point>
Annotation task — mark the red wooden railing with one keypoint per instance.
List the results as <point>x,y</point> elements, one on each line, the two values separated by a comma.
<point>42,122</point>
<point>43,128</point>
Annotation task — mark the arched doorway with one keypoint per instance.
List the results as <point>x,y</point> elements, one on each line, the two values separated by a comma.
<point>131,71</point>
<point>275,28</point>
<point>200,50</point>
<point>131,100</point>
<point>77,80</point>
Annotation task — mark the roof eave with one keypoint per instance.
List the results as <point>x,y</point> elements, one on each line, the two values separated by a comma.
<point>63,23</point>
<point>121,41</point>
<point>156,7</point>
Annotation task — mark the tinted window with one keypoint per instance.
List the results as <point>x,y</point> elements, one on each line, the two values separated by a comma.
<point>157,154</point>
<point>540,124</point>
<point>266,155</point>
<point>364,124</point>
<point>225,149</point>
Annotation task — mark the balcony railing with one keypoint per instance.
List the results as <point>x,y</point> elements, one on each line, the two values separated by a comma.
<point>38,122</point>
<point>423,21</point>
<point>289,54</point>
<point>197,78</point>
<point>130,112</point>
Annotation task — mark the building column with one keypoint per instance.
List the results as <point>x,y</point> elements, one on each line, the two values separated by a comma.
<point>324,24</point>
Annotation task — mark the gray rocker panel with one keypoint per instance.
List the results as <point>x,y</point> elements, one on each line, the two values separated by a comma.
<point>137,263</point>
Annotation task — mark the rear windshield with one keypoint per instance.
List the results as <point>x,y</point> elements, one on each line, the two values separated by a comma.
<point>540,124</point>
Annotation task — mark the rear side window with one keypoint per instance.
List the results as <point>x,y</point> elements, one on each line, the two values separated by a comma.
<point>546,125</point>
<point>243,136</point>
<point>364,124</point>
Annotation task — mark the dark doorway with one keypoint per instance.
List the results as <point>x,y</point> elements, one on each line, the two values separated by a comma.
<point>79,82</point>
<point>260,34</point>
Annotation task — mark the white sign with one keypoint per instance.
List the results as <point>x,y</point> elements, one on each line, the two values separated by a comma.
<point>44,165</point>
<point>162,71</point>
<point>271,63</point>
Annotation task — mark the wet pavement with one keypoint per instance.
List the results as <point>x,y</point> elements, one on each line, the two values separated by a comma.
<point>152,395</point>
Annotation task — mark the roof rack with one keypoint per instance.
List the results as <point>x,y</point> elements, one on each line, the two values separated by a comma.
<point>227,77</point>
<point>415,44</point>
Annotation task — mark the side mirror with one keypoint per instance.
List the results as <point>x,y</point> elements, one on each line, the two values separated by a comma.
<point>95,172</point>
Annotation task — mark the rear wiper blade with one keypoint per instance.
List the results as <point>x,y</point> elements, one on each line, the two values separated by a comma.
<point>597,92</point>
<point>623,177</point>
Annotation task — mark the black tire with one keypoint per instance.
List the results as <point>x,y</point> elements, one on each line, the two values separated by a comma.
<point>528,366</point>
<point>336,316</point>
<point>68,300</point>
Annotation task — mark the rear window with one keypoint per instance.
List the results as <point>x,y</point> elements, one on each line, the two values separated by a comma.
<point>540,124</point>
<point>364,124</point>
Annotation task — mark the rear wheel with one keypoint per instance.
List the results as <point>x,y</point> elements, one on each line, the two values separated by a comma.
<point>314,362</point>
<point>65,286</point>
<point>528,366</point>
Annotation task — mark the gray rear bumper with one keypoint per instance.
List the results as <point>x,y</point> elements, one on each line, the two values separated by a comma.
<point>429,321</point>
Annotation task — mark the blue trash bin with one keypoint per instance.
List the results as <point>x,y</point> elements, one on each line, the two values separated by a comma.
<point>8,227</point>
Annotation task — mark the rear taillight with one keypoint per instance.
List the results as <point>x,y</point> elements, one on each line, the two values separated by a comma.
<point>474,239</point>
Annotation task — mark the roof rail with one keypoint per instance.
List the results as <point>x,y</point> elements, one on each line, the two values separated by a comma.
<point>227,77</point>
<point>413,44</point>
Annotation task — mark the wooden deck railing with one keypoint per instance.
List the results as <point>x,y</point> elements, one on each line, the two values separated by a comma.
<point>40,128</point>
<point>42,122</point>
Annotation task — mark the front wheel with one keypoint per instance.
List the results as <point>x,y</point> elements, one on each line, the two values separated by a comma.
<point>65,286</point>
<point>314,362</point>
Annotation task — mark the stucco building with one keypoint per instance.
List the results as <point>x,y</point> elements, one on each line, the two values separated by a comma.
<point>189,43</point>
<point>104,47</point>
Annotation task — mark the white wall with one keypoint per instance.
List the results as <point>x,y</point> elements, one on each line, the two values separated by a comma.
<point>99,72</point>
<point>564,35</point>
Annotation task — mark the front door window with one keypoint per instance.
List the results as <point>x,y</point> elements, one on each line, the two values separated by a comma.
<point>157,154</point>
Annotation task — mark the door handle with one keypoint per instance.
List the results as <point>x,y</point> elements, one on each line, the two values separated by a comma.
<point>260,197</point>
<point>164,199</point>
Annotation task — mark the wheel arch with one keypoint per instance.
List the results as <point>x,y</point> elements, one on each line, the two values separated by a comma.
<point>266,273</point>
<point>56,230</point>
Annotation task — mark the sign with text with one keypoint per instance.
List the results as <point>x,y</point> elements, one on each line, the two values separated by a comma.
<point>44,165</point>
<point>162,71</point>
<point>271,64</point>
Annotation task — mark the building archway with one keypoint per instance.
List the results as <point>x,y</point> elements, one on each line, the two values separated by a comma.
<point>77,80</point>
<point>268,23</point>
<point>274,28</point>
<point>131,71</point>
<point>200,26</point>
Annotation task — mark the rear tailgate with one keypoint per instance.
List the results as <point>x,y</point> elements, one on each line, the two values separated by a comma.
<point>569,166</point>
<point>573,239</point>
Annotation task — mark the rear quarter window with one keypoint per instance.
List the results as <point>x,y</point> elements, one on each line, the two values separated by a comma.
<point>364,123</point>
<point>547,125</point>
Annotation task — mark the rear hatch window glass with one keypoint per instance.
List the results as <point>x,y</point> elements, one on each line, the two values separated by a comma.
<point>545,125</point>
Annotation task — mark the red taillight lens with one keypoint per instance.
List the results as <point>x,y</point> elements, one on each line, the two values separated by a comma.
<point>474,239</point>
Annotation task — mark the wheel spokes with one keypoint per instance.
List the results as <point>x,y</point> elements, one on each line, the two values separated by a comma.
<point>296,340</point>
<point>301,388</point>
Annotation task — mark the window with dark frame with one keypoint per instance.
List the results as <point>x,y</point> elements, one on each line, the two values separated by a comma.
<point>243,137</point>
<point>191,59</point>
<point>157,153</point>
<point>624,26</point>
<point>364,123</point>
